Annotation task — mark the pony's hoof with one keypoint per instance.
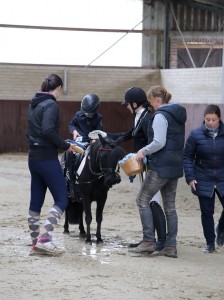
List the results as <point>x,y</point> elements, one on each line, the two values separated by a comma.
<point>88,242</point>
<point>99,241</point>
<point>82,234</point>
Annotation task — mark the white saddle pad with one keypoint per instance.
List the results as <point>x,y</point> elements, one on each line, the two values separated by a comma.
<point>79,171</point>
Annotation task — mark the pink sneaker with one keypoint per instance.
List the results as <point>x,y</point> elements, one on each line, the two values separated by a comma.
<point>35,251</point>
<point>46,246</point>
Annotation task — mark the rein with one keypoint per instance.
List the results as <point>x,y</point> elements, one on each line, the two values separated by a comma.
<point>103,171</point>
<point>105,149</point>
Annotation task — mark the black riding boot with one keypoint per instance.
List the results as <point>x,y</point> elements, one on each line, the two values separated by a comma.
<point>159,223</point>
<point>220,231</point>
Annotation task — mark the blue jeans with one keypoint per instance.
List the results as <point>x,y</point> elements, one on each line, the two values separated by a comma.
<point>152,184</point>
<point>207,206</point>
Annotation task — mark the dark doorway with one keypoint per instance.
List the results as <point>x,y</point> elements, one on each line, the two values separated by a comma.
<point>199,57</point>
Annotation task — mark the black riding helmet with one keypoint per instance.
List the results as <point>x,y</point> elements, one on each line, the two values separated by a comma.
<point>137,95</point>
<point>90,104</point>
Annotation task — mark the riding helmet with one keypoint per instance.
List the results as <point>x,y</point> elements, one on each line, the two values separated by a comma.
<point>90,103</point>
<point>135,94</point>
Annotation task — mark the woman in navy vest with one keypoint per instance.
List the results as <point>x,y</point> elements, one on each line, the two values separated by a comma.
<point>165,149</point>
<point>204,172</point>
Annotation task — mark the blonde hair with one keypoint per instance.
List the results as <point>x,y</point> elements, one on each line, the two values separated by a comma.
<point>160,92</point>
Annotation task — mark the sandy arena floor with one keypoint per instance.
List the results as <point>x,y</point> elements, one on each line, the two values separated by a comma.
<point>106,271</point>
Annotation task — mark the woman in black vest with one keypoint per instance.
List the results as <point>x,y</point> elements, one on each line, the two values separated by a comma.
<point>165,148</point>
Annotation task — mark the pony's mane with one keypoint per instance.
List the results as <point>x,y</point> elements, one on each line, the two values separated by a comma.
<point>94,147</point>
<point>97,144</point>
<point>117,153</point>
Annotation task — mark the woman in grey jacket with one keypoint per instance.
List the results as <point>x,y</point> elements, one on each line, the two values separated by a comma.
<point>204,172</point>
<point>165,149</point>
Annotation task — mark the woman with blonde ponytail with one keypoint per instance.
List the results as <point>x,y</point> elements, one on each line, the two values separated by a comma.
<point>165,149</point>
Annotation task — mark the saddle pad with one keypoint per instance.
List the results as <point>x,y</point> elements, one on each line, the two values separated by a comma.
<point>79,171</point>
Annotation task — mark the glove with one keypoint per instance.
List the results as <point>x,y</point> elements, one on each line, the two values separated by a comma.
<point>131,178</point>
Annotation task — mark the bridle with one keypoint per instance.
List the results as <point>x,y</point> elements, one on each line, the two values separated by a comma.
<point>103,171</point>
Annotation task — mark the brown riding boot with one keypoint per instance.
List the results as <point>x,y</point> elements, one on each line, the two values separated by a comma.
<point>169,251</point>
<point>144,247</point>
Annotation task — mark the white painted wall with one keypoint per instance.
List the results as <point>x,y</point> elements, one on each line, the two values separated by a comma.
<point>194,85</point>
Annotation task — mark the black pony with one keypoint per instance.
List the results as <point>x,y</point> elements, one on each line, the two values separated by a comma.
<point>99,174</point>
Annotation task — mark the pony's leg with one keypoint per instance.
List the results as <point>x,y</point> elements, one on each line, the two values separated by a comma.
<point>66,226</point>
<point>64,169</point>
<point>99,218</point>
<point>82,232</point>
<point>88,219</point>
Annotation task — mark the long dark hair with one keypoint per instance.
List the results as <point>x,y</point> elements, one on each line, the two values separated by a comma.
<point>51,83</point>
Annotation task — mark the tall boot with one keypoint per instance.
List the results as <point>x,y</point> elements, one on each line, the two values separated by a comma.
<point>220,230</point>
<point>155,213</point>
<point>159,223</point>
<point>221,221</point>
<point>147,227</point>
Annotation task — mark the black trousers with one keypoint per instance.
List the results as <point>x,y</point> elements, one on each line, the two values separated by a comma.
<point>207,206</point>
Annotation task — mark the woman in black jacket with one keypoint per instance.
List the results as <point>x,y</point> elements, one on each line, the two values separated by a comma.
<point>204,172</point>
<point>45,169</point>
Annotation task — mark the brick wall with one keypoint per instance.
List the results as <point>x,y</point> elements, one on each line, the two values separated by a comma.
<point>194,88</point>
<point>192,85</point>
<point>20,82</point>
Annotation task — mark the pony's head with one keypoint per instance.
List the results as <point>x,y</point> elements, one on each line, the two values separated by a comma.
<point>109,155</point>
